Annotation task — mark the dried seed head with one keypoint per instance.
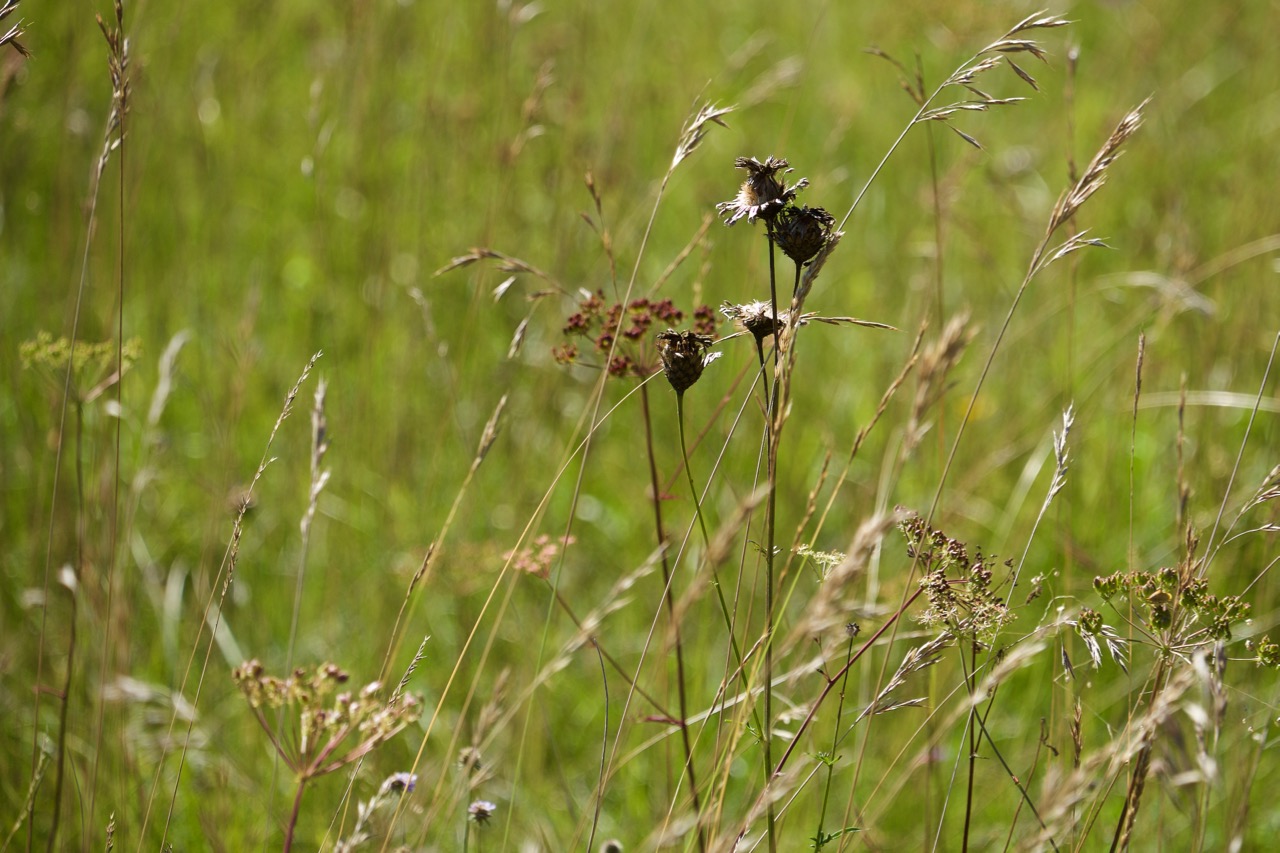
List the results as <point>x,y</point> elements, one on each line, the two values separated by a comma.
<point>763,194</point>
<point>1095,174</point>
<point>756,317</point>
<point>684,355</point>
<point>801,232</point>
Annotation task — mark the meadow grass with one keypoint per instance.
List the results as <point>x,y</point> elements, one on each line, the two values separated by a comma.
<point>335,254</point>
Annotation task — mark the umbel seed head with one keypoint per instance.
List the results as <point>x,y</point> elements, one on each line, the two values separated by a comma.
<point>684,355</point>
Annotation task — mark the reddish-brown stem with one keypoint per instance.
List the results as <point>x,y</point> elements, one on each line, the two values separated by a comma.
<point>293,817</point>
<point>833,680</point>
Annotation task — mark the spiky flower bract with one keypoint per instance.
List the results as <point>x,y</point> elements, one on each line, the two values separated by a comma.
<point>802,231</point>
<point>763,194</point>
<point>684,355</point>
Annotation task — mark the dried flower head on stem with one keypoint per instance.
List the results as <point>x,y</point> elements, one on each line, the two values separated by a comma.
<point>802,231</point>
<point>763,194</point>
<point>684,355</point>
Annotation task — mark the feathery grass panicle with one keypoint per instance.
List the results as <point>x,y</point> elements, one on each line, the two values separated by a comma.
<point>916,659</point>
<point>15,32</point>
<point>937,363</point>
<point>1095,174</point>
<point>695,129</point>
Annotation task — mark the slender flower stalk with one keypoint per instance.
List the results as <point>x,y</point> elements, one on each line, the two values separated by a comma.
<point>669,598</point>
<point>335,726</point>
<point>765,195</point>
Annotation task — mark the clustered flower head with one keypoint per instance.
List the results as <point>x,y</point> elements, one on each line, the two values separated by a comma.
<point>763,194</point>
<point>536,560</point>
<point>684,356</point>
<point>957,585</point>
<point>1266,651</point>
<point>327,714</point>
<point>1168,593</point>
<point>303,687</point>
<point>93,365</point>
<point>623,330</point>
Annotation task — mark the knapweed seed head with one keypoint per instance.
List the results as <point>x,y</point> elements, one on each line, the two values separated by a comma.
<point>756,317</point>
<point>684,355</point>
<point>801,232</point>
<point>763,194</point>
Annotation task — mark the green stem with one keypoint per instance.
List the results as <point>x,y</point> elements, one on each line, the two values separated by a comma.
<point>766,731</point>
<point>819,842</point>
<point>670,597</point>
<point>973,750</point>
<point>739,661</point>
<point>693,489</point>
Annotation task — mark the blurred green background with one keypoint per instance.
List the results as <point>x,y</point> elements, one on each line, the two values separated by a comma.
<point>295,173</point>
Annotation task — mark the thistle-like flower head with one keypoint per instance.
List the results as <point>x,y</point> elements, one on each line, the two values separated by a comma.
<point>756,317</point>
<point>763,194</point>
<point>684,355</point>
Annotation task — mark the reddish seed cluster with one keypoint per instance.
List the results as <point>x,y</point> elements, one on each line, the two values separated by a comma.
<point>625,331</point>
<point>537,559</point>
